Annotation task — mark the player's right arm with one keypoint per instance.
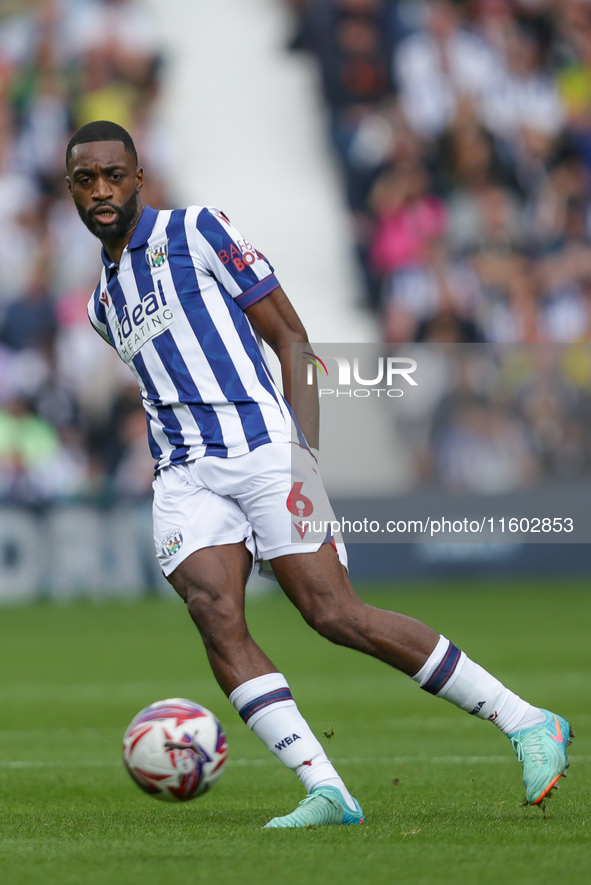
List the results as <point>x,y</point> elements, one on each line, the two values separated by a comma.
<point>278,324</point>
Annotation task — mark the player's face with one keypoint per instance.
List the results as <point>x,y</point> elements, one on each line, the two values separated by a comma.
<point>105,183</point>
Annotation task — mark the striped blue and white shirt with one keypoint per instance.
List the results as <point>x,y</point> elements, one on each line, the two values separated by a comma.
<point>174,310</point>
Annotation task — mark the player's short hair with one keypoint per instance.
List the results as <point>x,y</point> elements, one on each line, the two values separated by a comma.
<point>101,130</point>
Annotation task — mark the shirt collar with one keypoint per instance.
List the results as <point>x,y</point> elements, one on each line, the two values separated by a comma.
<point>144,227</point>
<point>143,230</point>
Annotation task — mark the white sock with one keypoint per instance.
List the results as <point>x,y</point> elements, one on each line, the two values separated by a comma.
<point>267,707</point>
<point>449,674</point>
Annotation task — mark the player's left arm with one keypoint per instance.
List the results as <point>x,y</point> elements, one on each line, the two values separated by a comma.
<point>278,324</point>
<point>222,251</point>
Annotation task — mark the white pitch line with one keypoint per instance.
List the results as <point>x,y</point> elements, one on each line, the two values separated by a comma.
<point>255,763</point>
<point>57,763</point>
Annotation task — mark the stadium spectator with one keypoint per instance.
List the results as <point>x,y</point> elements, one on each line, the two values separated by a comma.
<point>484,449</point>
<point>36,463</point>
<point>424,301</point>
<point>492,99</point>
<point>440,66</point>
<point>30,321</point>
<point>408,217</point>
<point>135,469</point>
<point>61,62</point>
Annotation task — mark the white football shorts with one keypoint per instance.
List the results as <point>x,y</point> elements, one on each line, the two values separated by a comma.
<point>272,498</point>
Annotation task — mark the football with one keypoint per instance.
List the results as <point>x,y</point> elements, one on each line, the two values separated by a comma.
<point>175,750</point>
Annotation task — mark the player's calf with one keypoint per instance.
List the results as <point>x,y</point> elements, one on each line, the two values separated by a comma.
<point>211,582</point>
<point>320,589</point>
<point>335,621</point>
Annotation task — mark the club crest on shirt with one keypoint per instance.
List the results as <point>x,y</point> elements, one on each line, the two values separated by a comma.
<point>172,543</point>
<point>157,254</point>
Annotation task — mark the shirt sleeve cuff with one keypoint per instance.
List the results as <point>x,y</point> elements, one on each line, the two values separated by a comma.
<point>258,291</point>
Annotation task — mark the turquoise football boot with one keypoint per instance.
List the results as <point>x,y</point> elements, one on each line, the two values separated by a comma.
<point>541,749</point>
<point>324,805</point>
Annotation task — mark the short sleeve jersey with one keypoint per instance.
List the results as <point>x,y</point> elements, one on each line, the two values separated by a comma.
<point>174,310</point>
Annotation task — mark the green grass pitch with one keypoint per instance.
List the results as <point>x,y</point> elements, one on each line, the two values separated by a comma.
<point>441,790</point>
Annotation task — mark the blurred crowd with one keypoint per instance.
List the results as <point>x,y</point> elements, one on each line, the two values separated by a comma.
<point>463,130</point>
<point>70,419</point>
<point>464,134</point>
<point>488,419</point>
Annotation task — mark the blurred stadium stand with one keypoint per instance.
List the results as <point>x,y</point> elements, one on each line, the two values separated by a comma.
<point>458,134</point>
<point>464,132</point>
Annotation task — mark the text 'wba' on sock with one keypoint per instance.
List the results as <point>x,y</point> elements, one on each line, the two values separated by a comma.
<point>448,673</point>
<point>268,708</point>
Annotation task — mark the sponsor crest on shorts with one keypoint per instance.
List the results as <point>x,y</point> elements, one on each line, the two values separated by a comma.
<point>172,543</point>
<point>157,254</point>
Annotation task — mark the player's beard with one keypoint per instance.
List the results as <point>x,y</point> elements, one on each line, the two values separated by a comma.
<point>126,215</point>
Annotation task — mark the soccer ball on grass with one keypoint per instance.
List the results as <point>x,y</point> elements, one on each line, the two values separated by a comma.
<point>175,750</point>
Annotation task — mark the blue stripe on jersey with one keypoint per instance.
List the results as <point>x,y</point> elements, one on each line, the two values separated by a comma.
<point>154,447</point>
<point>99,307</point>
<point>220,241</point>
<point>249,342</point>
<point>262,288</point>
<point>168,419</point>
<point>204,413</point>
<point>117,296</point>
<point>214,349</point>
<point>170,423</point>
